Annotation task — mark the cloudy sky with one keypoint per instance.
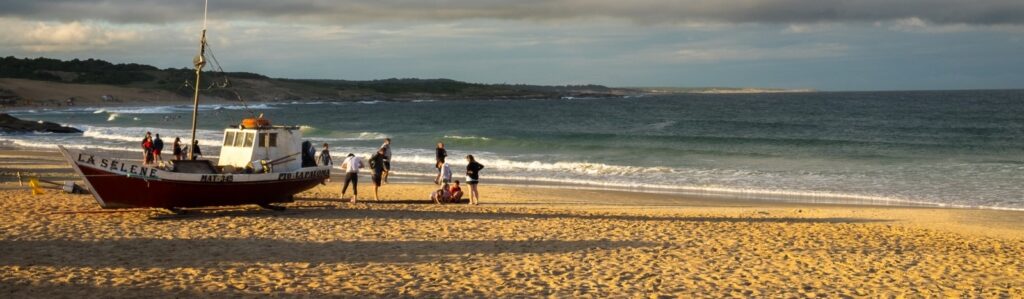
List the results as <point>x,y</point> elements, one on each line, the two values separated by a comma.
<point>822,44</point>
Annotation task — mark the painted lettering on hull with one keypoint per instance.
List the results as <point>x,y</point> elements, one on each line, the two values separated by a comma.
<point>216,178</point>
<point>309,174</point>
<point>117,165</point>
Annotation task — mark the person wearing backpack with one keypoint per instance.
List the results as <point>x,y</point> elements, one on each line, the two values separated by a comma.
<point>377,167</point>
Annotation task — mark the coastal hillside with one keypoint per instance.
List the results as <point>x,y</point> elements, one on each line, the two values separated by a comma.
<point>54,82</point>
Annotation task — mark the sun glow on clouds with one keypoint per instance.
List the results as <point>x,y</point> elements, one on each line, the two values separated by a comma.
<point>633,43</point>
<point>63,37</point>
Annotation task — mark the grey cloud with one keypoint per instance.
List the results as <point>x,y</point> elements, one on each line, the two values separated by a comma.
<point>982,12</point>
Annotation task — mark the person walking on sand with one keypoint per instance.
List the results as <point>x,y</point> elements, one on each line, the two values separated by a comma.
<point>147,148</point>
<point>377,165</point>
<point>196,151</point>
<point>387,158</point>
<point>158,146</point>
<point>177,149</point>
<point>351,166</point>
<point>439,156</point>
<point>473,178</point>
<point>325,157</point>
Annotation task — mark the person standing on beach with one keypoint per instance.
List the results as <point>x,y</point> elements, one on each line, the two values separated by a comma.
<point>158,145</point>
<point>473,178</point>
<point>440,154</point>
<point>387,158</point>
<point>177,149</point>
<point>147,148</point>
<point>325,157</point>
<point>351,166</point>
<point>446,173</point>
<point>377,165</point>
<point>196,152</point>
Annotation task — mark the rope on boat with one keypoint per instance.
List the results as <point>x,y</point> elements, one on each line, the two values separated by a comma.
<point>224,82</point>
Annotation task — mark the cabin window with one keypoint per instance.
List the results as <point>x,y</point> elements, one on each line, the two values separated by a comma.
<point>229,138</point>
<point>239,139</point>
<point>248,139</point>
<point>267,140</point>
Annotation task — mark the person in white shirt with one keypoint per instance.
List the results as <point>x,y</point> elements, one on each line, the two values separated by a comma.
<point>446,174</point>
<point>351,166</point>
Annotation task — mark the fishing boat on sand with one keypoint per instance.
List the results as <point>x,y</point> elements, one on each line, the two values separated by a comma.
<point>259,164</point>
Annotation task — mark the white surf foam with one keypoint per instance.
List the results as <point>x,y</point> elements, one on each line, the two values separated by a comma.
<point>135,134</point>
<point>457,137</point>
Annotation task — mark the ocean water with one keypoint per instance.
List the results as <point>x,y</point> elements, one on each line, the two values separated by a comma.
<point>950,148</point>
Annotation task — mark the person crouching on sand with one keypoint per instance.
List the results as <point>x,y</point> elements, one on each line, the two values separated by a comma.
<point>473,178</point>
<point>442,195</point>
<point>351,166</point>
<point>456,192</point>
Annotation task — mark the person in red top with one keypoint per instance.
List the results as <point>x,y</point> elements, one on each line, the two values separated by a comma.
<point>456,192</point>
<point>147,149</point>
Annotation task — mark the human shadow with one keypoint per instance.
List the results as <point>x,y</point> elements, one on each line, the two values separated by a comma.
<point>171,253</point>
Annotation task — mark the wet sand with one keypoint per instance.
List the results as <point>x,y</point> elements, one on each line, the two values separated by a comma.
<point>520,242</point>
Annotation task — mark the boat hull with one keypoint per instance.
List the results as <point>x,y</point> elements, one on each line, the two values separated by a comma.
<point>120,184</point>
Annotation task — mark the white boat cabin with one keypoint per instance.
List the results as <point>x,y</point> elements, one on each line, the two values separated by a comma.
<point>259,146</point>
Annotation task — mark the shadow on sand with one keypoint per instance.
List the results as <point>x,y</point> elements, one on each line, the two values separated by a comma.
<point>164,253</point>
<point>345,211</point>
<point>18,289</point>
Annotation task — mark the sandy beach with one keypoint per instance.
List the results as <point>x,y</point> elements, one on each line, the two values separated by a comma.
<point>520,242</point>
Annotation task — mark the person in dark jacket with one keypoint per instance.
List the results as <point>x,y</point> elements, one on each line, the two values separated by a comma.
<point>377,173</point>
<point>325,157</point>
<point>158,146</point>
<point>196,151</point>
<point>473,178</point>
<point>308,154</point>
<point>439,157</point>
<point>178,153</point>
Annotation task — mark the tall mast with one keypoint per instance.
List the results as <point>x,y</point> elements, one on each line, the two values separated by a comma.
<point>199,61</point>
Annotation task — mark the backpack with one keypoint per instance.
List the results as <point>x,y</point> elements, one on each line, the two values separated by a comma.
<point>373,161</point>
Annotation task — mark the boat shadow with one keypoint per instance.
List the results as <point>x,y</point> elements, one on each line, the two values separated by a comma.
<point>178,253</point>
<point>329,211</point>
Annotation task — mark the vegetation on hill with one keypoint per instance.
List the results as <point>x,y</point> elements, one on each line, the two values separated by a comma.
<point>262,88</point>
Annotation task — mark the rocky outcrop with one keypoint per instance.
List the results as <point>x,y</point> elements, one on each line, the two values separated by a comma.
<point>11,124</point>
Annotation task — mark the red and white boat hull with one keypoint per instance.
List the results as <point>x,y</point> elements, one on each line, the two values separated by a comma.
<point>118,183</point>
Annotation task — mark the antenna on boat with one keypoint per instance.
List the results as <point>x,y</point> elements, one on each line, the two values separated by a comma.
<point>199,61</point>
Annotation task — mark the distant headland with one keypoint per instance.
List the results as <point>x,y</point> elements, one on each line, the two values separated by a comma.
<point>54,82</point>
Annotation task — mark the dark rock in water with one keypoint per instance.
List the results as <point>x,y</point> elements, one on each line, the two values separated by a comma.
<point>11,124</point>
